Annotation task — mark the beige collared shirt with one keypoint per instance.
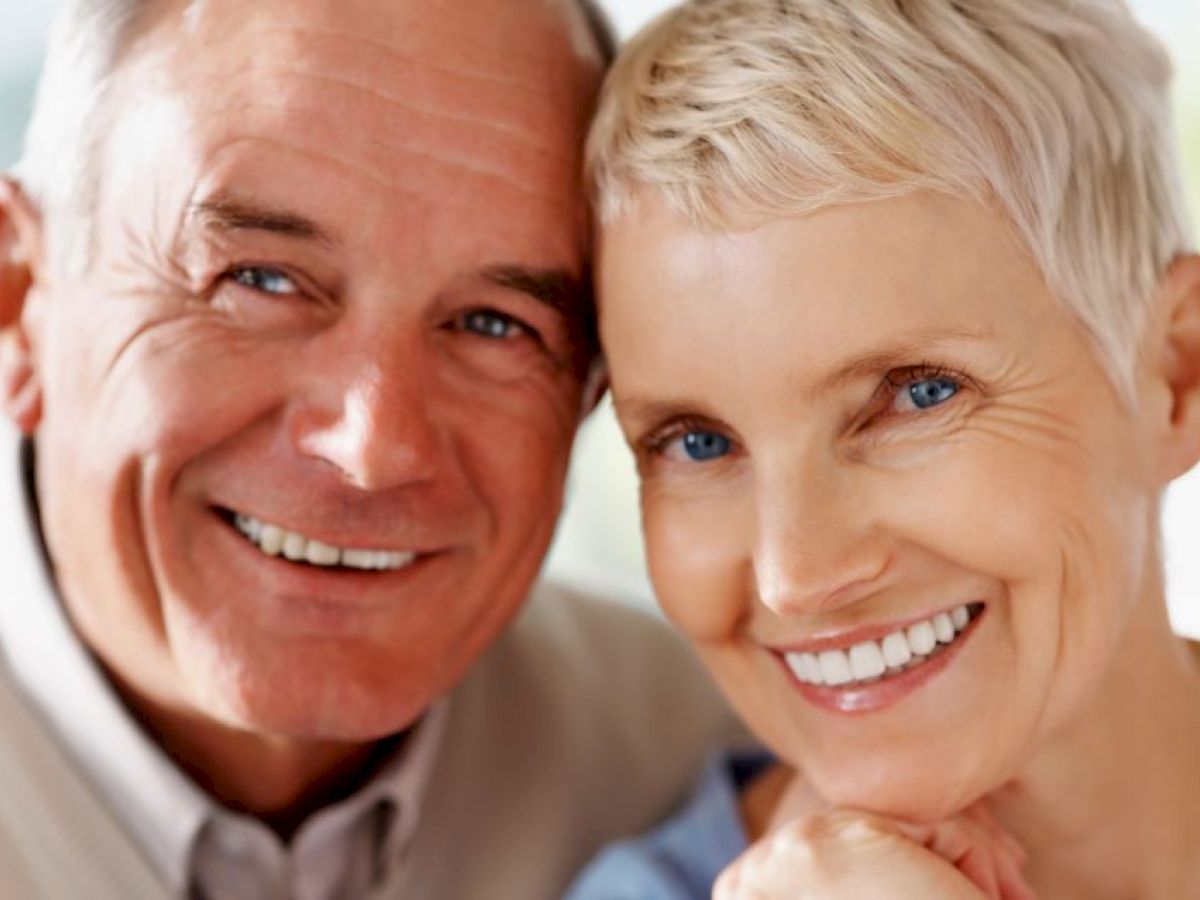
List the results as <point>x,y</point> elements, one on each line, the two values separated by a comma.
<point>201,849</point>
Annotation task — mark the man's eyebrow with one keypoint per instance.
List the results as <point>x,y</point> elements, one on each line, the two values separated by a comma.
<point>559,289</point>
<point>239,214</point>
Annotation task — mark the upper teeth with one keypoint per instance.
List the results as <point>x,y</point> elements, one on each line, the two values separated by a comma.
<point>869,660</point>
<point>275,541</point>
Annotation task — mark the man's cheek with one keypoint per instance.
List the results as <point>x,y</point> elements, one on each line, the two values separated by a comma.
<point>184,391</point>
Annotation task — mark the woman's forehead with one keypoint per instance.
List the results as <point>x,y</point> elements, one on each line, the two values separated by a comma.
<point>918,262</point>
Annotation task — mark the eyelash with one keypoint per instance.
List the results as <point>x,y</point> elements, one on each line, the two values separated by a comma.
<point>523,327</point>
<point>233,274</point>
<point>897,380</point>
<point>656,443</point>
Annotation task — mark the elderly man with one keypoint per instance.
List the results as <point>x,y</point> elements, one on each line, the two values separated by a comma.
<point>295,328</point>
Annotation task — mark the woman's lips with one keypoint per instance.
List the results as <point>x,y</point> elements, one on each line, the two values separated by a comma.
<point>871,674</point>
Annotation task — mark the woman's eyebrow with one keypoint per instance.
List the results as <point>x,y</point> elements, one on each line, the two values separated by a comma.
<point>906,350</point>
<point>909,349</point>
<point>639,411</point>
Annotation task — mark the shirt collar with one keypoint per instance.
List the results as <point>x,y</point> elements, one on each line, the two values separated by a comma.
<point>161,807</point>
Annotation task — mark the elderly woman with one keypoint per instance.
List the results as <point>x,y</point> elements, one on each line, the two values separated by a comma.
<point>904,332</point>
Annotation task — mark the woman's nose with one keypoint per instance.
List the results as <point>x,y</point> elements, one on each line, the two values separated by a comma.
<point>819,544</point>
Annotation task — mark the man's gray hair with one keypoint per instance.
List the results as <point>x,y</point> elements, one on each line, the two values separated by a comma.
<point>86,43</point>
<point>65,132</point>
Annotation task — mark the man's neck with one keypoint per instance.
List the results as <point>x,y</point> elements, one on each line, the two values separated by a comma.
<point>279,781</point>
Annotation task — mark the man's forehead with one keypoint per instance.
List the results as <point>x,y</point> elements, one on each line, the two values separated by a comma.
<point>376,78</point>
<point>511,39</point>
<point>475,65</point>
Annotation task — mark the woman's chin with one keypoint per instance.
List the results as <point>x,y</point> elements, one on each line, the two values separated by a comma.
<point>921,793</point>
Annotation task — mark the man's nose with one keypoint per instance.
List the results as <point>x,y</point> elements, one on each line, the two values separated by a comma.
<point>819,545</point>
<point>370,415</point>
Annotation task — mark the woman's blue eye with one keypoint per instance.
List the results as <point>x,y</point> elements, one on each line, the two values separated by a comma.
<point>268,281</point>
<point>930,392</point>
<point>704,446</point>
<point>492,324</point>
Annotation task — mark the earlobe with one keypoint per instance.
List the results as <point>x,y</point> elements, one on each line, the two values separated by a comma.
<point>1181,365</point>
<point>20,390</point>
<point>595,386</point>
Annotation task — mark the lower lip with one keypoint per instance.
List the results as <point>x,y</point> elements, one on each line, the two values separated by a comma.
<point>860,699</point>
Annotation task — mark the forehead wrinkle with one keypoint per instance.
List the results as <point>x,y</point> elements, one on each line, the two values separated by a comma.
<point>385,184</point>
<point>431,112</point>
<point>535,83</point>
<point>519,161</point>
<point>484,93</point>
<point>518,149</point>
<point>529,54</point>
<point>534,99</point>
<point>451,169</point>
<point>541,31</point>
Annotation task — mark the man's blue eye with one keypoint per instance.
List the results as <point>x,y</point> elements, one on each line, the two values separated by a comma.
<point>268,281</point>
<point>491,324</point>
<point>704,446</point>
<point>931,392</point>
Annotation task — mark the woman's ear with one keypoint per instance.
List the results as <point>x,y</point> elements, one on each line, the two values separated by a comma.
<point>20,241</point>
<point>1180,365</point>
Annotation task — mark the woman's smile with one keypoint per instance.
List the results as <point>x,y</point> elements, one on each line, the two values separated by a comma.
<point>854,673</point>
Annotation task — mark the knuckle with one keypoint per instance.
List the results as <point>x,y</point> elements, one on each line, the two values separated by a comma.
<point>858,829</point>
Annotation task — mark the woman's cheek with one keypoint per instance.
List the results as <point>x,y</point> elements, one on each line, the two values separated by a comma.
<point>699,562</point>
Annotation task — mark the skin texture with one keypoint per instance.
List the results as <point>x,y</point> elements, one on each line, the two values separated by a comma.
<point>1032,490</point>
<point>335,287</point>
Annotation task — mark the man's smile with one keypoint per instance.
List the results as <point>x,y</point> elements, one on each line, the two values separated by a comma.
<point>274,540</point>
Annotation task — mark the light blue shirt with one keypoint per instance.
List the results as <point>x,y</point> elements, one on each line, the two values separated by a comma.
<point>681,859</point>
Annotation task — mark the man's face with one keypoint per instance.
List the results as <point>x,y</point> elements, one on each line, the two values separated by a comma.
<point>329,316</point>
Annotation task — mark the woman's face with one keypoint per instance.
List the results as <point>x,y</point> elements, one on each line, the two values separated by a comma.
<point>847,424</point>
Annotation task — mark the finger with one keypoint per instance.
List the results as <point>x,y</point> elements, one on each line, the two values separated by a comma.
<point>964,844</point>
<point>980,814</point>
<point>726,886</point>
<point>732,883</point>
<point>1009,855</point>
<point>1013,885</point>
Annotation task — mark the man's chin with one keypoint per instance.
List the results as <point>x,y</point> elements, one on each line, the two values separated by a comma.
<point>311,705</point>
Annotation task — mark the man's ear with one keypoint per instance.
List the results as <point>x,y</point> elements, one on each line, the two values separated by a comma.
<point>20,248</point>
<point>1180,365</point>
<point>595,385</point>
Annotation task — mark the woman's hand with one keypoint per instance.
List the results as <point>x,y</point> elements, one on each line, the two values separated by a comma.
<point>841,853</point>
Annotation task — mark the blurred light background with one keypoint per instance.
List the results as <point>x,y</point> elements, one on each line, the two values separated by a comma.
<point>598,546</point>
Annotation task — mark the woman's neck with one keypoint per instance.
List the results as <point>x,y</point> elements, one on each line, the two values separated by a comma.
<point>1110,808</point>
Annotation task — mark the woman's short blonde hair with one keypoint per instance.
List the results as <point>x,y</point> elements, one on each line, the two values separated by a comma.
<point>1056,112</point>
